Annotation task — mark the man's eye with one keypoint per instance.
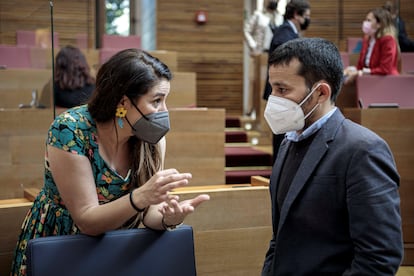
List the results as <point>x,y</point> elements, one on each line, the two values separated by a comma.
<point>282,90</point>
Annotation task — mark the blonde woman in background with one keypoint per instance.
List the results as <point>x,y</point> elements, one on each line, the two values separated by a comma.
<point>380,50</point>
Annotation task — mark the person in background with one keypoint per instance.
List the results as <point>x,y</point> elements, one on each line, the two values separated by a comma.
<point>334,187</point>
<point>258,29</point>
<point>104,160</point>
<point>406,44</point>
<point>258,32</point>
<point>74,84</point>
<point>73,81</point>
<point>297,19</point>
<point>380,51</point>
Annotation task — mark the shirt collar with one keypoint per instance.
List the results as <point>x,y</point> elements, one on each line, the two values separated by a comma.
<point>295,137</point>
<point>293,26</point>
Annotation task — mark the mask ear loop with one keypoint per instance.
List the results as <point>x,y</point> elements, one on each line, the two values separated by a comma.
<point>129,123</point>
<point>310,94</point>
<point>132,102</point>
<point>307,97</point>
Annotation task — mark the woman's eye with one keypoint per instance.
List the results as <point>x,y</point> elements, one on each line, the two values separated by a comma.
<point>157,102</point>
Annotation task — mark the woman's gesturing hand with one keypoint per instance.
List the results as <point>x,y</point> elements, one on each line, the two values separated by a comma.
<point>174,212</point>
<point>156,190</point>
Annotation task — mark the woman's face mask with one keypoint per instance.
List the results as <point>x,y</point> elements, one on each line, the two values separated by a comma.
<point>284,115</point>
<point>367,28</point>
<point>152,127</point>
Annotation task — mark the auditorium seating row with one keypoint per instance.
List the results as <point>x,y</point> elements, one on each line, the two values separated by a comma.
<point>42,38</point>
<point>41,58</point>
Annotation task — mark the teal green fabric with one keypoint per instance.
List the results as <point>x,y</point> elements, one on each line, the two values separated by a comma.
<point>73,131</point>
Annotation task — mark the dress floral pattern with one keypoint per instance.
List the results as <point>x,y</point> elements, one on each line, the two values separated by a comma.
<point>73,131</point>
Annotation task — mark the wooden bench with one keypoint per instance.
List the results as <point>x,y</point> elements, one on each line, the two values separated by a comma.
<point>231,237</point>
<point>396,127</point>
<point>195,144</point>
<point>230,242</point>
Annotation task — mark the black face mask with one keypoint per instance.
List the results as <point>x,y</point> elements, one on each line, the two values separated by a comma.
<point>152,127</point>
<point>305,24</point>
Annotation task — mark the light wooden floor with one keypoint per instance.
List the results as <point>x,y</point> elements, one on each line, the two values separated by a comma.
<point>405,271</point>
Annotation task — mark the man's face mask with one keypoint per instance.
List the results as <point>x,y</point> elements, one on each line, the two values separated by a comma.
<point>305,24</point>
<point>284,115</point>
<point>152,127</point>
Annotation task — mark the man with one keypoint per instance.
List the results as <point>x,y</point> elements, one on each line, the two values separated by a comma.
<point>297,19</point>
<point>406,44</point>
<point>334,186</point>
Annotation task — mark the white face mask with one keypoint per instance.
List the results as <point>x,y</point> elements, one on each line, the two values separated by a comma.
<point>284,115</point>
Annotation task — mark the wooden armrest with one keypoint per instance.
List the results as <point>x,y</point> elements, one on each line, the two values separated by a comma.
<point>259,181</point>
<point>31,193</point>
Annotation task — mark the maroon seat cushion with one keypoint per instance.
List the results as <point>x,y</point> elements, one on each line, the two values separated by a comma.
<point>246,156</point>
<point>243,177</point>
<point>236,137</point>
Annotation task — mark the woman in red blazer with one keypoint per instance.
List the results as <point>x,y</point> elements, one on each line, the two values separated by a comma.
<point>380,50</point>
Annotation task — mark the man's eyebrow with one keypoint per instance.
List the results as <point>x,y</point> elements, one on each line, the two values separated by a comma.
<point>280,83</point>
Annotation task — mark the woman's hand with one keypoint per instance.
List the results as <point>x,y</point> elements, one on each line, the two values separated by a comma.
<point>174,212</point>
<point>156,190</point>
<point>350,74</point>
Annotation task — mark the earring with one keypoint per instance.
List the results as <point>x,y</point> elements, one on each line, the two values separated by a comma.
<point>120,113</point>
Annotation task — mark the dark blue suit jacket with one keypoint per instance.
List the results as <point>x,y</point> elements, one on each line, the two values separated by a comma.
<point>341,215</point>
<point>282,34</point>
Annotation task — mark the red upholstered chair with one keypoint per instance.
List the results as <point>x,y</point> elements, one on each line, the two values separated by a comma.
<point>120,42</point>
<point>26,38</point>
<point>354,44</point>
<point>390,91</point>
<point>82,41</point>
<point>345,59</point>
<point>15,56</point>
<point>407,63</point>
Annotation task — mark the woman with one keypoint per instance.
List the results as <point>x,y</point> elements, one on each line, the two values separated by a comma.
<point>104,161</point>
<point>380,51</point>
<point>74,83</point>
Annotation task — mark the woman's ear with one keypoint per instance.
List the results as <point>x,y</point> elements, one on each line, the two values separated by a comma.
<point>124,100</point>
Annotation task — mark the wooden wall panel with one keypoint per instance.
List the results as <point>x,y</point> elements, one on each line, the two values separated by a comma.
<point>214,50</point>
<point>69,17</point>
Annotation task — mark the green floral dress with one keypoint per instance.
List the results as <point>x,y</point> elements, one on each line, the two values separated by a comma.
<point>73,131</point>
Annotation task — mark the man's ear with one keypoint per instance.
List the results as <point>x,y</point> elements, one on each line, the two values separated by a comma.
<point>324,92</point>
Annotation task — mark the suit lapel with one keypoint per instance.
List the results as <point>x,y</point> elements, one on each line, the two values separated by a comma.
<point>315,153</point>
<point>277,167</point>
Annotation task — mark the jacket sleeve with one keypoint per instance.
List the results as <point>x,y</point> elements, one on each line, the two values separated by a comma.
<point>269,258</point>
<point>387,47</point>
<point>249,29</point>
<point>361,58</point>
<point>374,211</point>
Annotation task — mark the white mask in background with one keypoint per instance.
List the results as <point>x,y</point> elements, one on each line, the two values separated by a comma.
<point>367,28</point>
<point>284,115</point>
